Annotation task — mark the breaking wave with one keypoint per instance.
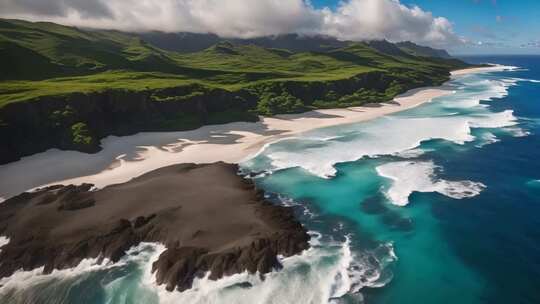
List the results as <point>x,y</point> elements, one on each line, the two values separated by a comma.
<point>451,118</point>
<point>3,241</point>
<point>329,270</point>
<point>410,176</point>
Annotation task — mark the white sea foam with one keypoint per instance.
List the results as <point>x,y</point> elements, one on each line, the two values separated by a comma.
<point>478,89</point>
<point>3,242</point>
<point>376,275</point>
<point>517,132</point>
<point>328,270</point>
<point>359,270</point>
<point>409,176</point>
<point>288,202</point>
<point>527,80</point>
<point>493,120</point>
<point>412,153</point>
<point>387,136</point>
<point>400,135</point>
<point>22,280</point>
<point>487,138</point>
<point>223,291</point>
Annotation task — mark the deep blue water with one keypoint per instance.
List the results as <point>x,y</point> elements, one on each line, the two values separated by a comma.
<point>437,204</point>
<point>497,234</point>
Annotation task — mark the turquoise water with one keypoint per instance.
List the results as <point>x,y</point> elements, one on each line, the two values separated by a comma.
<point>437,204</point>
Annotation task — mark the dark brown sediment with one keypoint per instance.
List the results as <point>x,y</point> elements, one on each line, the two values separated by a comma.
<point>209,218</point>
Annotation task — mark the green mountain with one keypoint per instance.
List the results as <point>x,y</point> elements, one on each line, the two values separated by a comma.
<point>195,42</point>
<point>418,50</point>
<point>67,87</point>
<point>44,50</point>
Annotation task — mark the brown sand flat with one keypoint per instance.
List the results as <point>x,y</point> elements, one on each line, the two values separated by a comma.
<point>208,217</point>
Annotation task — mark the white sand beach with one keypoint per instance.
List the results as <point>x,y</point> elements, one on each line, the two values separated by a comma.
<point>123,158</point>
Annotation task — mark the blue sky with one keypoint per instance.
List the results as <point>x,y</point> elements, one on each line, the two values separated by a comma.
<point>495,26</point>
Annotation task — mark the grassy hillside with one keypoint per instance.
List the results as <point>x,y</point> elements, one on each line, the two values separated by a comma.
<point>57,82</point>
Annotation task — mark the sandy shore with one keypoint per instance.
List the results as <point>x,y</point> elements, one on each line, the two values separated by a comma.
<point>123,158</point>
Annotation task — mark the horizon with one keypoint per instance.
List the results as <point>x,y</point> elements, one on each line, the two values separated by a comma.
<point>471,27</point>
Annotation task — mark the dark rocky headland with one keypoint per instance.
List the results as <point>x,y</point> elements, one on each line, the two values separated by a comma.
<point>208,217</point>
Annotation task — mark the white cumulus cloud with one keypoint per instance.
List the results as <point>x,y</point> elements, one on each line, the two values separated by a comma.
<point>389,19</point>
<point>352,19</point>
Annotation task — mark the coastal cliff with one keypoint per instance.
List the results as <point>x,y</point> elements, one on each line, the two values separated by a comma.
<point>209,218</point>
<point>78,121</point>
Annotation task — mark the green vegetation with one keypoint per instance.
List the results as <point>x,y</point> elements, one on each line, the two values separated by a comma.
<point>61,60</point>
<point>21,90</point>
<point>77,86</point>
<point>81,135</point>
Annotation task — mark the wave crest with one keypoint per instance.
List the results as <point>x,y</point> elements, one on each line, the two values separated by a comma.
<point>409,176</point>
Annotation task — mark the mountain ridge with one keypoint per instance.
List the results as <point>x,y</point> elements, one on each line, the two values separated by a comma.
<point>186,42</point>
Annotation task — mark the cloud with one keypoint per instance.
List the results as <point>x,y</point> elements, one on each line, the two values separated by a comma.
<point>351,19</point>
<point>375,19</point>
<point>531,44</point>
<point>54,8</point>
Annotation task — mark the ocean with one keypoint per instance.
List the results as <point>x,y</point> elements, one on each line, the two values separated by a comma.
<point>437,204</point>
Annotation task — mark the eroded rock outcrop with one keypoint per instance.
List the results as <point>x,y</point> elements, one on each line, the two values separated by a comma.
<point>208,217</point>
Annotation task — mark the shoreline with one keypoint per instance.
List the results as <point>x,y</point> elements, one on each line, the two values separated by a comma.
<point>124,158</point>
